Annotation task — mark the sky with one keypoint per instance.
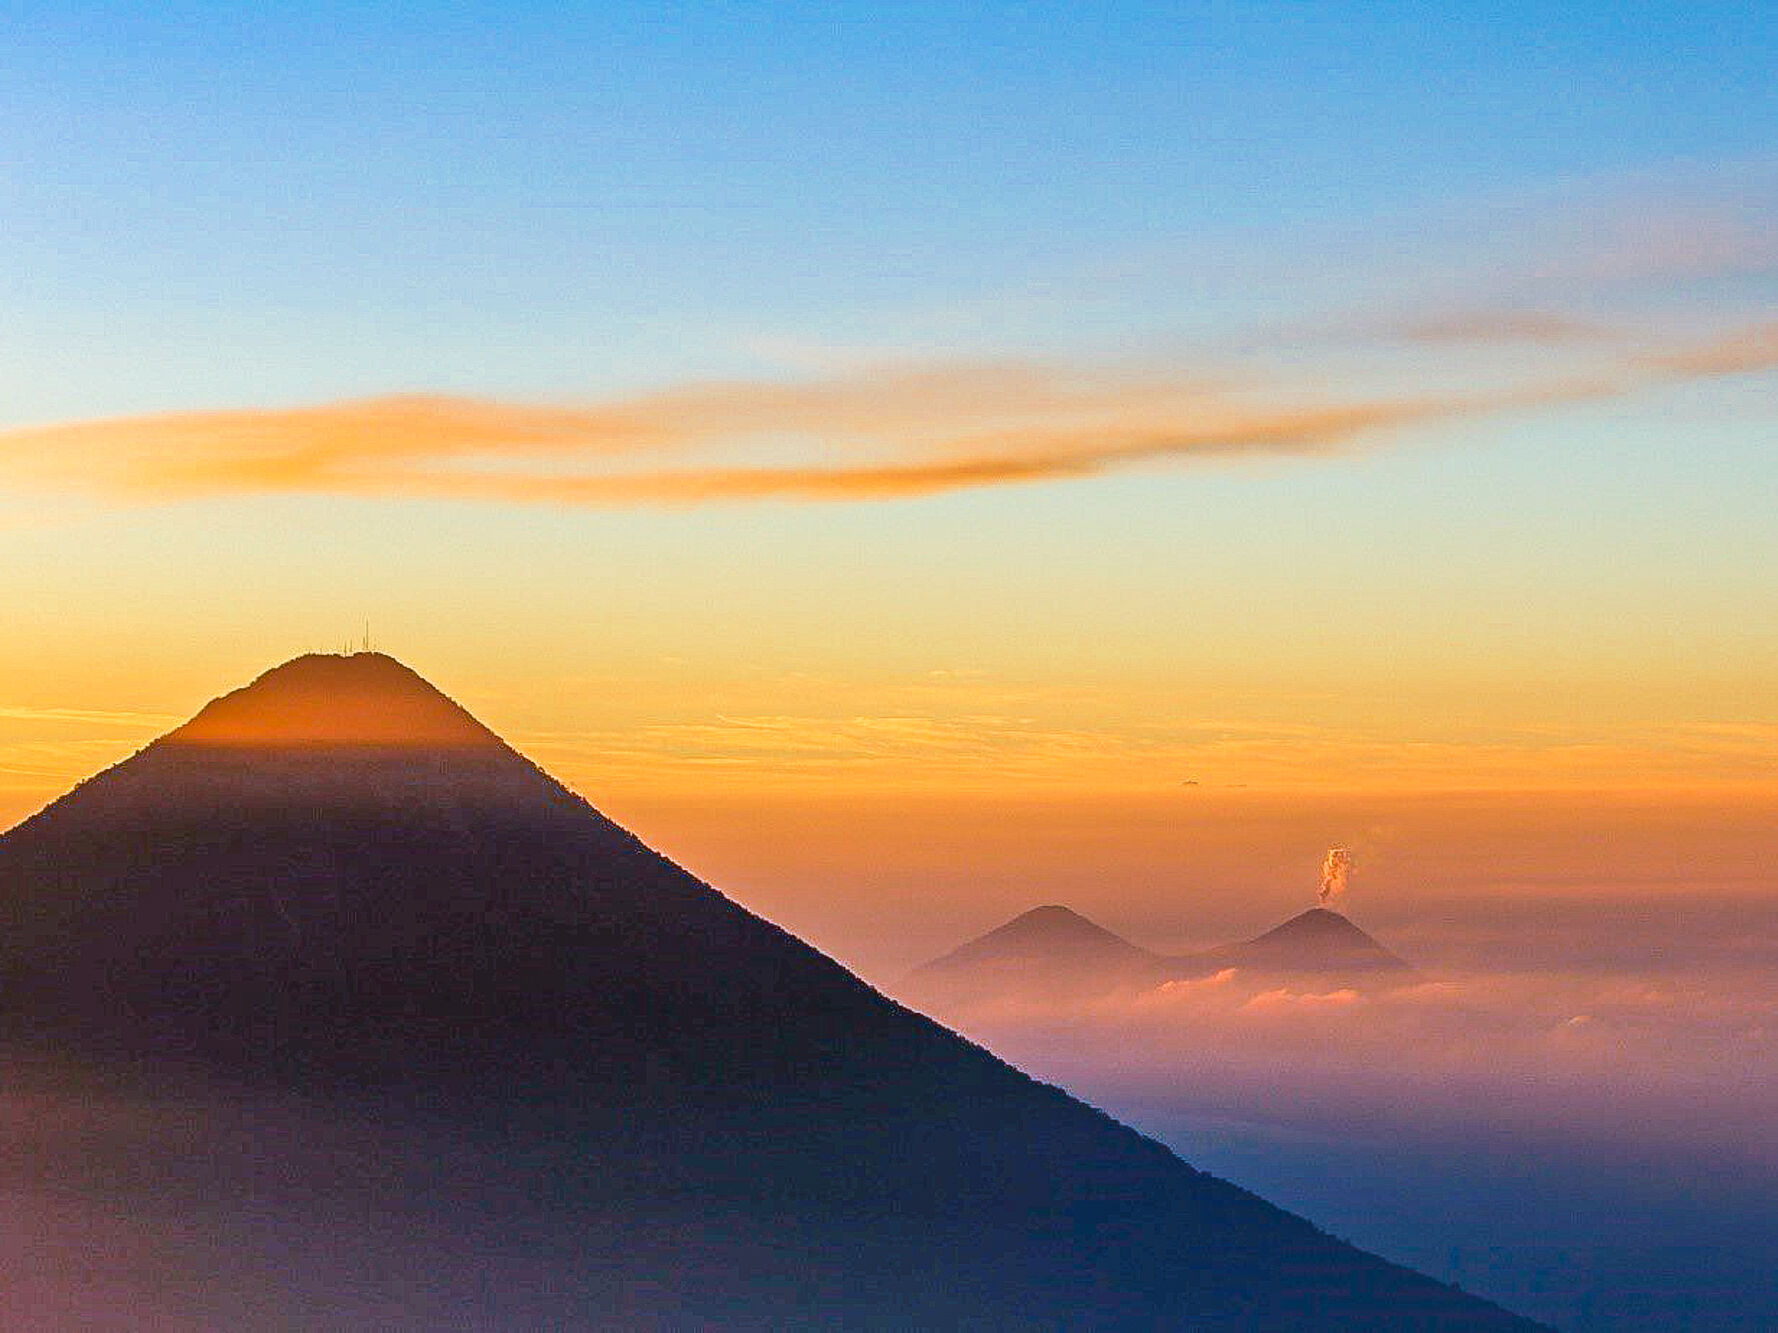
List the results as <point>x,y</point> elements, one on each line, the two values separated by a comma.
<point>799,425</point>
<point>913,463</point>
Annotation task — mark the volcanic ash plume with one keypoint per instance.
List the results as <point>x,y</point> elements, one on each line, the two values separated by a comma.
<point>1336,867</point>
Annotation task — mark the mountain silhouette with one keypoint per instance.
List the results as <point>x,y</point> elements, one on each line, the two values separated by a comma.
<point>1318,941</point>
<point>1048,955</point>
<point>1052,954</point>
<point>1046,933</point>
<point>337,881</point>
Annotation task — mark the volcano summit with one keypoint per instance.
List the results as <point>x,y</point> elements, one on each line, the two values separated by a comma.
<point>336,883</point>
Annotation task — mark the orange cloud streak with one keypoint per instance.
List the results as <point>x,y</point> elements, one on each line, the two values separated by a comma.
<point>1006,459</point>
<point>1500,326</point>
<point>1745,352</point>
<point>303,448</point>
<point>913,433</point>
<point>897,434</point>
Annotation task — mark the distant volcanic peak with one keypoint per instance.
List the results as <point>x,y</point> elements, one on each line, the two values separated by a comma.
<point>1054,917</point>
<point>1052,934</point>
<point>1317,938</point>
<point>366,699</point>
<point>1056,926</point>
<point>1321,921</point>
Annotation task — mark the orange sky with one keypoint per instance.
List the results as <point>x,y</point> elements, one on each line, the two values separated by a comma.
<point>1450,519</point>
<point>886,818</point>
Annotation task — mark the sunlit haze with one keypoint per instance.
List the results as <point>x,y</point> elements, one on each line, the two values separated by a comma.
<point>912,465</point>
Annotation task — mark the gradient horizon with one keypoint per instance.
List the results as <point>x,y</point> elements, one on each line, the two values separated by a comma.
<point>1132,452</point>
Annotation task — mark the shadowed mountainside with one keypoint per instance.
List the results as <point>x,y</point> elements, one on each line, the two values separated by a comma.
<point>337,882</point>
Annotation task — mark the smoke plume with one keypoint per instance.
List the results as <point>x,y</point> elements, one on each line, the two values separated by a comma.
<point>1336,868</point>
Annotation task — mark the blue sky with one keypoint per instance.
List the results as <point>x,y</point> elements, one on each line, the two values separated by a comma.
<point>208,205</point>
<point>990,376</point>
<point>1537,243</point>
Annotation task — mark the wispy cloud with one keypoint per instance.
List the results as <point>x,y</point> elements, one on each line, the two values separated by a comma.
<point>86,716</point>
<point>1641,235</point>
<point>1008,458</point>
<point>335,446</point>
<point>1030,745</point>
<point>854,436</point>
<point>1743,352</point>
<point>1500,326</point>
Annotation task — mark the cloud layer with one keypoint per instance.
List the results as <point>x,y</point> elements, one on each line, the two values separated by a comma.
<point>883,435</point>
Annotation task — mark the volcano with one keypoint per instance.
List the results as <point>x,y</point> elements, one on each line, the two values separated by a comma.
<point>1046,934</point>
<point>1047,955</point>
<point>1054,954</point>
<point>1318,942</point>
<point>336,883</point>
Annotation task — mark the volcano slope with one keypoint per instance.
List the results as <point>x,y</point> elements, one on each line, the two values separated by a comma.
<point>360,971</point>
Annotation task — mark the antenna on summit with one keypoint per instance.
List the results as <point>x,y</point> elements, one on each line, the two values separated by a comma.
<point>367,647</point>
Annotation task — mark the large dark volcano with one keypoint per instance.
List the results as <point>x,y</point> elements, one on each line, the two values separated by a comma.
<point>337,881</point>
<point>338,873</point>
